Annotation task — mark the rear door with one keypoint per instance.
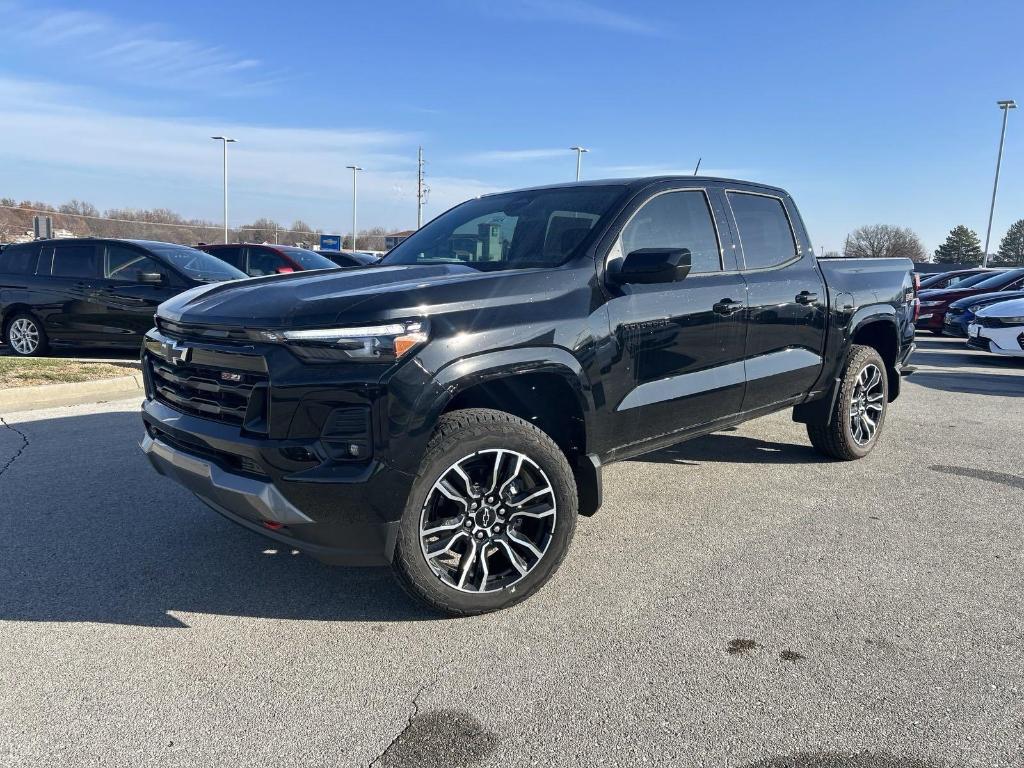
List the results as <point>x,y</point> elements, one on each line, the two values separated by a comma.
<point>76,277</point>
<point>681,343</point>
<point>785,333</point>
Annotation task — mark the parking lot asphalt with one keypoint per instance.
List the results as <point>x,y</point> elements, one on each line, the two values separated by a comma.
<point>738,601</point>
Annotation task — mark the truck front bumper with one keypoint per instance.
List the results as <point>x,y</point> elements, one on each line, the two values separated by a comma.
<point>331,517</point>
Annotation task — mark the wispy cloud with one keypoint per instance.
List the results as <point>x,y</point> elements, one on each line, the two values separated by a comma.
<point>575,12</point>
<point>137,53</point>
<point>515,155</point>
<point>138,160</point>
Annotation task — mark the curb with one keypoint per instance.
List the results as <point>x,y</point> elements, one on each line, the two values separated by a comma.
<point>51,395</point>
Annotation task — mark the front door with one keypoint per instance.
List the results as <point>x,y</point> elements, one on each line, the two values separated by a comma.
<point>786,294</point>
<point>681,342</point>
<point>129,303</point>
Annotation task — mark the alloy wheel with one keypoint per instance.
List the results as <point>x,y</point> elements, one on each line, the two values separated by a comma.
<point>866,404</point>
<point>24,336</point>
<point>488,521</point>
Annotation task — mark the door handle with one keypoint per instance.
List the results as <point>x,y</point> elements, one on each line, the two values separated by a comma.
<point>806,297</point>
<point>727,307</point>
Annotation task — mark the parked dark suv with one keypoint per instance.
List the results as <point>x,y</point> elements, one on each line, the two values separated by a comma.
<point>86,292</point>
<point>259,260</point>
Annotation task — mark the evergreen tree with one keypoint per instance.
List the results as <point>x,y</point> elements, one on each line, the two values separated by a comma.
<point>1011,247</point>
<point>962,246</point>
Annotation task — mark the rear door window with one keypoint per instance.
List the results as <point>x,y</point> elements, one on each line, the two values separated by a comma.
<point>73,260</point>
<point>19,260</point>
<point>263,261</point>
<point>233,255</point>
<point>765,233</point>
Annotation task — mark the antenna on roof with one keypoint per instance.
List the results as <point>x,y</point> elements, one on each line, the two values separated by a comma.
<point>698,166</point>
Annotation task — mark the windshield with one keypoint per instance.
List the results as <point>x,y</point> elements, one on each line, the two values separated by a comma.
<point>198,265</point>
<point>1003,278</point>
<point>516,230</point>
<point>306,259</point>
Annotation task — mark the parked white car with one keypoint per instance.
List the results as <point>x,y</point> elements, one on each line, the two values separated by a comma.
<point>999,328</point>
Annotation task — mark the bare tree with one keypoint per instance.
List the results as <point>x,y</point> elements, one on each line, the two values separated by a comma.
<point>880,241</point>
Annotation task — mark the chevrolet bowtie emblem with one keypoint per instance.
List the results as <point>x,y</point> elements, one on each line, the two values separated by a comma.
<point>174,352</point>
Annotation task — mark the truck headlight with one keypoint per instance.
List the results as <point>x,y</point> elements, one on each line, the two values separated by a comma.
<point>372,343</point>
<point>927,304</point>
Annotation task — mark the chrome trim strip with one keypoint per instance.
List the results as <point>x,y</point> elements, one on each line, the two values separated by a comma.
<point>721,376</point>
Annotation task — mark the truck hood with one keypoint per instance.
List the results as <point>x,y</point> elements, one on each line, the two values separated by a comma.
<point>348,297</point>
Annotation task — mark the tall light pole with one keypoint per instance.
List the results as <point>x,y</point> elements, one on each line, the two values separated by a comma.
<point>1006,106</point>
<point>579,156</point>
<point>225,141</point>
<point>419,189</point>
<point>355,171</point>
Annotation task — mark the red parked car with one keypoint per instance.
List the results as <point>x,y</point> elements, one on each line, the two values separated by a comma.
<point>935,303</point>
<point>257,259</point>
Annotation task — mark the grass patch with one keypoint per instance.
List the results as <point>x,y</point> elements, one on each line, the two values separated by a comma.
<point>27,371</point>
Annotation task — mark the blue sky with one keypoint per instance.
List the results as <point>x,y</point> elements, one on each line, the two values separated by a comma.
<point>867,112</point>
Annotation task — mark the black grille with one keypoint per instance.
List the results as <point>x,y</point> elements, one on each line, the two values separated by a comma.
<point>978,343</point>
<point>227,460</point>
<point>188,331</point>
<point>212,393</point>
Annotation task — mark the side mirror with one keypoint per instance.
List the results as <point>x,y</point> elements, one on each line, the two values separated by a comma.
<point>150,278</point>
<point>654,265</point>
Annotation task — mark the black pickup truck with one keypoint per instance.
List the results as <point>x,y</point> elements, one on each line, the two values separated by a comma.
<point>449,410</point>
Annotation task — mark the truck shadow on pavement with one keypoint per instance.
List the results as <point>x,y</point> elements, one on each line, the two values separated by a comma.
<point>735,449</point>
<point>91,533</point>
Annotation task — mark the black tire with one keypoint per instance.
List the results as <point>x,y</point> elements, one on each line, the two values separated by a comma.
<point>17,323</point>
<point>841,437</point>
<point>476,435</point>
<point>938,332</point>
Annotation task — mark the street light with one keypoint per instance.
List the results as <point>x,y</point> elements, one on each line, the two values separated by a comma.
<point>1006,106</point>
<point>355,170</point>
<point>579,156</point>
<point>225,141</point>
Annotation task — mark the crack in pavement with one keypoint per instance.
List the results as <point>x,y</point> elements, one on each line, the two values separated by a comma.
<point>408,724</point>
<point>21,450</point>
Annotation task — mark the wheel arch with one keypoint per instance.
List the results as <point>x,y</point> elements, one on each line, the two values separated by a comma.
<point>880,331</point>
<point>545,386</point>
<point>12,310</point>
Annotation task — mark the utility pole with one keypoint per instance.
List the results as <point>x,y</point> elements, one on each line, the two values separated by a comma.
<point>1006,106</point>
<point>355,171</point>
<point>419,189</point>
<point>579,157</point>
<point>225,141</point>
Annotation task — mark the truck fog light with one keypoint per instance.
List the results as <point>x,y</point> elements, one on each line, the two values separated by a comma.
<point>298,453</point>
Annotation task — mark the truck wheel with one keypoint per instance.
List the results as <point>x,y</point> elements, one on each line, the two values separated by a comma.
<point>490,516</point>
<point>859,411</point>
<point>25,336</point>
